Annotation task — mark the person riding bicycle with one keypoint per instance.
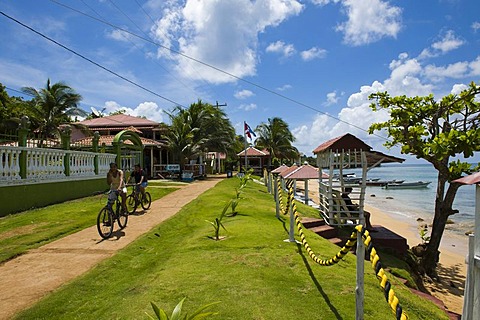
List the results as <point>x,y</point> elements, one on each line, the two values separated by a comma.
<point>115,180</point>
<point>141,179</point>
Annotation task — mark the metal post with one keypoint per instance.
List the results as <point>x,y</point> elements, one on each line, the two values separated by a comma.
<point>359,289</point>
<point>467,312</point>
<point>277,201</point>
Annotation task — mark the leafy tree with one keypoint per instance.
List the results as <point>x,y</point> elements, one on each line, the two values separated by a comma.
<point>201,127</point>
<point>275,136</point>
<point>52,106</point>
<point>11,110</point>
<point>435,131</point>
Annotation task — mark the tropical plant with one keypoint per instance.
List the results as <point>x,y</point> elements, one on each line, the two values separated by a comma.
<point>217,223</point>
<point>435,131</point>
<point>177,312</point>
<point>201,127</point>
<point>275,136</point>
<point>244,179</point>
<point>51,107</point>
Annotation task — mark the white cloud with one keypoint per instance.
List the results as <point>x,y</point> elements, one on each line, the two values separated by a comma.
<point>457,88</point>
<point>284,87</point>
<point>201,30</point>
<point>286,50</point>
<point>119,35</point>
<point>332,98</point>
<point>313,53</point>
<point>448,42</point>
<point>243,94</point>
<point>476,26</point>
<point>457,70</point>
<point>369,21</point>
<point>248,107</point>
<point>324,2</point>
<point>150,110</point>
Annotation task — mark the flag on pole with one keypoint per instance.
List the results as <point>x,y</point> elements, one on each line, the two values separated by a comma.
<point>249,131</point>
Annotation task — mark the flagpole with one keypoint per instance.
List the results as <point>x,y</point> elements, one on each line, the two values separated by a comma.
<point>245,139</point>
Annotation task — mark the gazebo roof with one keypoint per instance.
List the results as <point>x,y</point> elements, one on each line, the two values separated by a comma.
<point>304,172</point>
<point>474,178</point>
<point>289,170</point>
<point>350,142</point>
<point>254,152</point>
<point>280,169</point>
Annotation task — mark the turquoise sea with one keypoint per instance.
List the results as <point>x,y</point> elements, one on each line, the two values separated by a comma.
<point>418,203</point>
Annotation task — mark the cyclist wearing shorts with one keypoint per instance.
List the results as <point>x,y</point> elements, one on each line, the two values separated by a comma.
<point>140,178</point>
<point>115,181</point>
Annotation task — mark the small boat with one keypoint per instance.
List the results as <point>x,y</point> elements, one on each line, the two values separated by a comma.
<point>381,183</point>
<point>407,185</point>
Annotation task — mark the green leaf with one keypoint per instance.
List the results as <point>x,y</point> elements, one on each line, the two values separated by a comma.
<point>161,315</point>
<point>197,315</point>
<point>176,314</point>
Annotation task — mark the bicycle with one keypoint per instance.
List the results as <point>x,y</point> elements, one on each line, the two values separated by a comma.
<point>108,214</point>
<point>137,198</point>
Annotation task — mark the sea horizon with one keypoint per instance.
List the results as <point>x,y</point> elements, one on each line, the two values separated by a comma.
<point>412,204</point>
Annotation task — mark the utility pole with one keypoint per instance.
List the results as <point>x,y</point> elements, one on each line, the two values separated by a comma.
<point>218,158</point>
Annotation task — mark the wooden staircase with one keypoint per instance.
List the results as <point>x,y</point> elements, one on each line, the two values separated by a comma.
<point>382,237</point>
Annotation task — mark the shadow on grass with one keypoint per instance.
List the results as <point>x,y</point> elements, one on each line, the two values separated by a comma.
<point>317,284</point>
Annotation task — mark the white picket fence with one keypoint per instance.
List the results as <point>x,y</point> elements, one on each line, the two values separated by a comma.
<point>48,164</point>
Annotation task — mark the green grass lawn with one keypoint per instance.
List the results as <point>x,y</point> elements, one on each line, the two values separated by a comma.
<point>33,228</point>
<point>253,272</point>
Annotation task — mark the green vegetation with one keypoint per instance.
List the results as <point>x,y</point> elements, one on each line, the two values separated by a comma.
<point>31,229</point>
<point>276,137</point>
<point>254,273</point>
<point>435,131</point>
<point>177,312</point>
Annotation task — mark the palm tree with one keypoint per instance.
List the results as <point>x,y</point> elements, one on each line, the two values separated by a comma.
<point>51,107</point>
<point>201,127</point>
<point>275,136</point>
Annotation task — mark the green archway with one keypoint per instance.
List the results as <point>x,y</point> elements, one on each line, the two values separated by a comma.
<point>119,145</point>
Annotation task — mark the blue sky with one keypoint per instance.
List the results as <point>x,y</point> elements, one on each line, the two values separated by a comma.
<point>311,62</point>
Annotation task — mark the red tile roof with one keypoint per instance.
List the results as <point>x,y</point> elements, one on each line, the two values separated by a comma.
<point>119,120</point>
<point>345,142</point>
<point>280,169</point>
<point>474,178</point>
<point>107,140</point>
<point>304,172</point>
<point>286,172</point>
<point>254,152</point>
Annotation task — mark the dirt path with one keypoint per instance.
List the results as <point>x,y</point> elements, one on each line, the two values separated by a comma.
<point>26,279</point>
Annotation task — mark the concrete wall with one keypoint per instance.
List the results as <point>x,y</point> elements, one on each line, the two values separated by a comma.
<point>15,198</point>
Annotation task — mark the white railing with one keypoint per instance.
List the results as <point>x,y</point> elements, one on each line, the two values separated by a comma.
<point>48,164</point>
<point>9,163</point>
<point>44,163</point>
<point>82,163</point>
<point>104,160</point>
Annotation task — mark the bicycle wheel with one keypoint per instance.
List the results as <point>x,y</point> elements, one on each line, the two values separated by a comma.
<point>105,223</point>
<point>146,201</point>
<point>122,218</point>
<point>131,204</point>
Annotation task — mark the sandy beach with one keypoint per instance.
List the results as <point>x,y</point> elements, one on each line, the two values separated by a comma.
<point>452,267</point>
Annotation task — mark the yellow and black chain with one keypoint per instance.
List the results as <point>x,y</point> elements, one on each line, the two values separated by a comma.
<point>284,209</point>
<point>373,256</point>
<point>381,276</point>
